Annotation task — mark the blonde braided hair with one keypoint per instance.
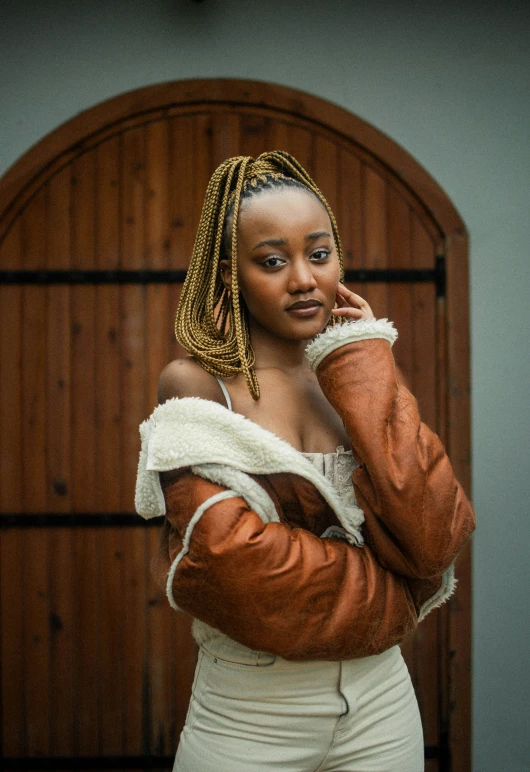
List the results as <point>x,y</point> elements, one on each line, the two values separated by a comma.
<point>211,321</point>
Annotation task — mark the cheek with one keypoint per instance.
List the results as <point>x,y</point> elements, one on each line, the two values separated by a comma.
<point>330,283</point>
<point>258,295</point>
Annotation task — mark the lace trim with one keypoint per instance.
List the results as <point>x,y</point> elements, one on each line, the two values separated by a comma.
<point>337,468</point>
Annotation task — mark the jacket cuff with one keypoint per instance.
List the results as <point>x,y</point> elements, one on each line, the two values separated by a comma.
<point>350,332</point>
<point>446,589</point>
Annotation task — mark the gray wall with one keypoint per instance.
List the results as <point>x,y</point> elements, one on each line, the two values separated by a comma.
<point>450,83</point>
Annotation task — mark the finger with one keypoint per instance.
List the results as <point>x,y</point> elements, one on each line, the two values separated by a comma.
<point>352,297</point>
<point>349,312</point>
<point>341,302</point>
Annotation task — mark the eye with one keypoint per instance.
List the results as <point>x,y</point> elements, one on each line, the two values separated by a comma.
<point>320,255</point>
<point>273,262</point>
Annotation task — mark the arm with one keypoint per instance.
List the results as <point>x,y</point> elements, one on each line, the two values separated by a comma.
<point>274,588</point>
<point>417,515</point>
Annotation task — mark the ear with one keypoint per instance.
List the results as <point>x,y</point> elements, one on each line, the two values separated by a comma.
<point>226,273</point>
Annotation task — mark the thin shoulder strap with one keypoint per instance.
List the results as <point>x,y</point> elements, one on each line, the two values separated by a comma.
<point>225,392</point>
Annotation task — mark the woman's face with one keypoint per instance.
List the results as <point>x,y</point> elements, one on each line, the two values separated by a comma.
<point>288,269</point>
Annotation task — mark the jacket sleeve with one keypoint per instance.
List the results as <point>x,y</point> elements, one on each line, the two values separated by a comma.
<point>417,516</point>
<point>274,588</point>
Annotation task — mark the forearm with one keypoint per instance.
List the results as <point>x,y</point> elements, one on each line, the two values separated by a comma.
<point>279,589</point>
<point>416,514</point>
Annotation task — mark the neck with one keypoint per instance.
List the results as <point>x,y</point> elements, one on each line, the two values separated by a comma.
<point>280,353</point>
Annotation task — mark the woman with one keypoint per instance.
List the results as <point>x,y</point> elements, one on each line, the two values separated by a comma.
<point>301,583</point>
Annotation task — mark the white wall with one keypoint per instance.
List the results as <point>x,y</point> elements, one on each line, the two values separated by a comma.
<point>448,81</point>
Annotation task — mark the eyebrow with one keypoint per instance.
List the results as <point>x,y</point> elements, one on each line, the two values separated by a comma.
<point>283,242</point>
<point>270,243</point>
<point>317,235</point>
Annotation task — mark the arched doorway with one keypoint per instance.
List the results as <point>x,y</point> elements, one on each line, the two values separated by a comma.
<point>96,227</point>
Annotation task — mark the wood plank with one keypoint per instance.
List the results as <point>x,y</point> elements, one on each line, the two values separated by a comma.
<point>110,542</point>
<point>108,409</point>
<point>10,383</point>
<point>164,708</point>
<point>113,645</point>
<point>400,309</point>
<point>157,154</point>
<point>185,659</point>
<point>107,203</point>
<point>432,765</point>
<point>225,136</point>
<point>13,642</point>
<point>133,162</point>
<point>375,237</point>
<point>132,310</point>
<point>108,458</point>
<point>63,700</point>
<point>349,209</point>
<point>12,543</point>
<point>83,444</point>
<point>137,688</point>
<point>279,136</point>
<point>407,650</point>
<point>158,320</point>
<point>182,213</point>
<point>254,134</point>
<point>203,167</point>
<point>58,353</point>
<point>86,642</point>
<point>296,140</point>
<point>174,349</point>
<point>133,349</point>
<point>427,673</point>
<point>36,590</point>
<point>157,255</point>
<point>33,399</point>
<point>58,461</point>
<point>459,617</point>
<point>132,313</point>
<point>325,169</point>
<point>423,375</point>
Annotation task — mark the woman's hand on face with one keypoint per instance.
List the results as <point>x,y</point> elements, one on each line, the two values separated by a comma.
<point>351,306</point>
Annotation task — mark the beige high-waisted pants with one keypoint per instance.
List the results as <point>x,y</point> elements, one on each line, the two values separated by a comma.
<point>252,712</point>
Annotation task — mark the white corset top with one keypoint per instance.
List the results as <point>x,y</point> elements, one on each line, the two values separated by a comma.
<point>337,468</point>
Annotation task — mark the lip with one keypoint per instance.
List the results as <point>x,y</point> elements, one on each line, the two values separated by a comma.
<point>305,308</point>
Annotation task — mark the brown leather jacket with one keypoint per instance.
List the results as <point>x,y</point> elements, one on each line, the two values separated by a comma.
<point>260,572</point>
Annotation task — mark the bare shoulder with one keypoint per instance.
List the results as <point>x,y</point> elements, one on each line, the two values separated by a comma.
<point>186,378</point>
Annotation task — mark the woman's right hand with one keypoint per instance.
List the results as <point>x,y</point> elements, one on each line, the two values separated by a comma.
<point>351,306</point>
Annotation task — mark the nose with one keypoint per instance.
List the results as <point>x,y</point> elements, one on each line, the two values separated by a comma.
<point>301,277</point>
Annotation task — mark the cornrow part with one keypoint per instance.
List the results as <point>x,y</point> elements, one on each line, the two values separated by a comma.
<point>211,323</point>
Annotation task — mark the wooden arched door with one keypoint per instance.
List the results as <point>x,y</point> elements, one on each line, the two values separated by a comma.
<point>96,227</point>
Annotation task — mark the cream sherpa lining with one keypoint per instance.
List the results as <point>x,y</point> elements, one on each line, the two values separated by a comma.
<point>226,448</point>
<point>446,589</point>
<point>350,332</point>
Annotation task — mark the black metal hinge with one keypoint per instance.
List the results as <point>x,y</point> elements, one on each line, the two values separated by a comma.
<point>76,520</point>
<point>387,275</point>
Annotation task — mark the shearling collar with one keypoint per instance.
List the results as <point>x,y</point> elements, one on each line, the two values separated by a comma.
<point>225,447</point>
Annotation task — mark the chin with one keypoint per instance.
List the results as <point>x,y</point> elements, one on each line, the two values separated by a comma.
<point>307,329</point>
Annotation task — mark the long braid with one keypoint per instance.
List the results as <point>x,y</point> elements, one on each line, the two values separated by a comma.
<point>211,322</point>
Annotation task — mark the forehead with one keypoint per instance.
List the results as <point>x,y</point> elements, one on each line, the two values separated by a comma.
<point>281,211</point>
